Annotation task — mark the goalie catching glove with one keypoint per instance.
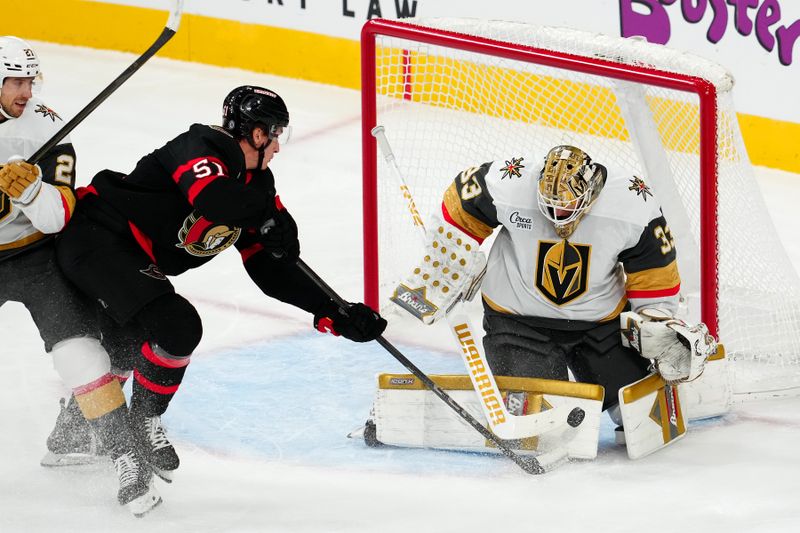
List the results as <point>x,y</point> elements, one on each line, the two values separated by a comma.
<point>356,322</point>
<point>450,271</point>
<point>20,180</point>
<point>679,352</point>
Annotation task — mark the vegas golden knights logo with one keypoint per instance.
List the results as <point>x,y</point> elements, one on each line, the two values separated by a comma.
<point>562,270</point>
<point>202,237</point>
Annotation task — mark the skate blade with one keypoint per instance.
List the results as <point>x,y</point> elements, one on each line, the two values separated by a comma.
<point>144,503</point>
<point>166,475</point>
<point>357,433</point>
<point>52,459</point>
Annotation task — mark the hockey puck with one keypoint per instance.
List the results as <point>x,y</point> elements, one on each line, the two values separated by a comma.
<point>575,417</point>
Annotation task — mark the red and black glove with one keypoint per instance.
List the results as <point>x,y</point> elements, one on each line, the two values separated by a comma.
<point>356,322</point>
<point>279,235</point>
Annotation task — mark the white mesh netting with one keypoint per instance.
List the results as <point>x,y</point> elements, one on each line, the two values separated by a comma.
<point>446,109</point>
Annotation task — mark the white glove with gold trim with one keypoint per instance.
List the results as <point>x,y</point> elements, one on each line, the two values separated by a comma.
<point>451,270</point>
<point>679,352</point>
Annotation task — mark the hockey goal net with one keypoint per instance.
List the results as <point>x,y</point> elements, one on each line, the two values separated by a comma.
<point>454,93</point>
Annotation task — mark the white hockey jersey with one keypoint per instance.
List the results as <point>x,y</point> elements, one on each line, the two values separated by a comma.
<point>622,250</point>
<point>23,226</point>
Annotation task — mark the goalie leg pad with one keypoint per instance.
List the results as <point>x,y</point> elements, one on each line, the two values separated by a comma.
<point>711,394</point>
<point>652,415</point>
<point>407,414</point>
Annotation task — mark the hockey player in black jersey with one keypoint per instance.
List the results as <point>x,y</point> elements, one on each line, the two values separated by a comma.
<point>36,202</point>
<point>207,190</point>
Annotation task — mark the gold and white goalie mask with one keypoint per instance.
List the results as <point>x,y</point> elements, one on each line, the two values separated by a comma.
<point>568,185</point>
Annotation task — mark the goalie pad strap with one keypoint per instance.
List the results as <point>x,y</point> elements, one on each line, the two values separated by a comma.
<point>652,415</point>
<point>587,391</point>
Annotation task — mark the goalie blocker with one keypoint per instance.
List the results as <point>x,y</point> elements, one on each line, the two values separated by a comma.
<point>682,354</point>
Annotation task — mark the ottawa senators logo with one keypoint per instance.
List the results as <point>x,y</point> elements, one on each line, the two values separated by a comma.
<point>562,270</point>
<point>201,237</point>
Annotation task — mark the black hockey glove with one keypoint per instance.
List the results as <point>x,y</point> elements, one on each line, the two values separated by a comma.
<point>356,322</point>
<point>279,235</point>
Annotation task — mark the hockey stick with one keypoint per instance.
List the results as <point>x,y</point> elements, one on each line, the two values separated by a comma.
<point>504,424</point>
<point>529,464</point>
<point>169,30</point>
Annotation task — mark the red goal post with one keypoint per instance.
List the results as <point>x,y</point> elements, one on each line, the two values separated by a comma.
<point>666,114</point>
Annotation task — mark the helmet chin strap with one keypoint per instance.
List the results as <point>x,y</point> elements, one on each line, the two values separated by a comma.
<point>260,150</point>
<point>3,112</point>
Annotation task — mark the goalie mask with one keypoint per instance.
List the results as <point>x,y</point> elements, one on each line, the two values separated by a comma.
<point>568,185</point>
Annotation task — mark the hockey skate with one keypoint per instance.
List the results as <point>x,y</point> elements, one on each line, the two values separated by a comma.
<point>154,447</point>
<point>72,441</point>
<point>368,432</point>
<point>136,490</point>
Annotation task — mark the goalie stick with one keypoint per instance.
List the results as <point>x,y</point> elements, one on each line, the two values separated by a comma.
<point>531,465</point>
<point>169,30</point>
<point>504,424</point>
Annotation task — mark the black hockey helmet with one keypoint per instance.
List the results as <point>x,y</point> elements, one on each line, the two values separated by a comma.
<point>248,106</point>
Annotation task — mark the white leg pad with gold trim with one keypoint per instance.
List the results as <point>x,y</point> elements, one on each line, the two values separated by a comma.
<point>407,414</point>
<point>652,415</point>
<point>711,394</point>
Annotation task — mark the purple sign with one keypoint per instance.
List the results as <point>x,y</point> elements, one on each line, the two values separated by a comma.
<point>650,19</point>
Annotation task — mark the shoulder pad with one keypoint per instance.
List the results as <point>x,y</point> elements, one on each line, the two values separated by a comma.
<point>222,130</point>
<point>513,180</point>
<point>627,197</point>
<point>38,123</point>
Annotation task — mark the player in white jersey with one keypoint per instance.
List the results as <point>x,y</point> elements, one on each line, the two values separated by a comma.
<point>578,244</point>
<point>36,202</point>
<point>582,277</point>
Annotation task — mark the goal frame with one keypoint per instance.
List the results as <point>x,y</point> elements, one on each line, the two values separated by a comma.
<point>704,89</point>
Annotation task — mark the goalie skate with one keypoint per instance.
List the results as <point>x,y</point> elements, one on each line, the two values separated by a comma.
<point>368,433</point>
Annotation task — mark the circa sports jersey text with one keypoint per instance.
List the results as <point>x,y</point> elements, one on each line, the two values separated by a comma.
<point>520,221</point>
